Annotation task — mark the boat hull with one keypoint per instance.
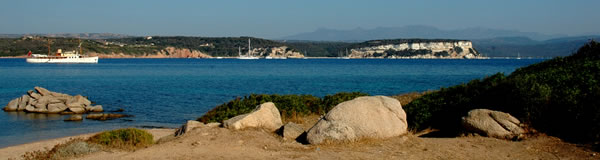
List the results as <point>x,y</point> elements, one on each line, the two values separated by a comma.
<point>63,60</point>
<point>247,58</point>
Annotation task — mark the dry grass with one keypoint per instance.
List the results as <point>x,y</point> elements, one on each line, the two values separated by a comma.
<point>294,117</point>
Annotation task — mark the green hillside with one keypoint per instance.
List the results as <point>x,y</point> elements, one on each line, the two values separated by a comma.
<point>559,97</point>
<point>133,46</point>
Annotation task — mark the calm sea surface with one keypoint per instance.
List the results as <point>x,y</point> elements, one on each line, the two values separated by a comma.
<point>167,92</point>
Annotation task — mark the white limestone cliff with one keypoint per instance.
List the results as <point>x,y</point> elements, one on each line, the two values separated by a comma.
<point>450,49</point>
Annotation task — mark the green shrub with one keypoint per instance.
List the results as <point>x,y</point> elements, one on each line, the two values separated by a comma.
<point>129,138</point>
<point>288,105</point>
<point>69,149</point>
<point>558,96</point>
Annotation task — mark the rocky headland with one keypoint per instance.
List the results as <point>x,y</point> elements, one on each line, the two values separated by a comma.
<point>415,48</point>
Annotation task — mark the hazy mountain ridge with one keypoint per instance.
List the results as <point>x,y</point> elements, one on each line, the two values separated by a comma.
<point>523,46</point>
<point>70,35</point>
<point>413,31</point>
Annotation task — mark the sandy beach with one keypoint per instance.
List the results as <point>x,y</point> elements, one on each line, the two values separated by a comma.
<point>221,143</point>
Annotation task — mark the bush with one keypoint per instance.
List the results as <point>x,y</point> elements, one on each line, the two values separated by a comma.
<point>558,96</point>
<point>129,138</point>
<point>72,148</point>
<point>288,105</point>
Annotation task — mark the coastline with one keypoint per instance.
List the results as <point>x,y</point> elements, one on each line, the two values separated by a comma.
<point>342,58</point>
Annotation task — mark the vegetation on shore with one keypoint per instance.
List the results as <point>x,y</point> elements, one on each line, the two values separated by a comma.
<point>558,97</point>
<point>128,138</point>
<point>290,106</point>
<point>125,139</point>
<point>226,46</point>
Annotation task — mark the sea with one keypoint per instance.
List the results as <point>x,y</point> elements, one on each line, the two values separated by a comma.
<point>165,93</point>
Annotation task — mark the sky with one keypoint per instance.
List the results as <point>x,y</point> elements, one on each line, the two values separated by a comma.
<point>278,18</point>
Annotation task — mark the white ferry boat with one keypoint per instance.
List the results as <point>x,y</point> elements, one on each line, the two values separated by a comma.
<point>59,57</point>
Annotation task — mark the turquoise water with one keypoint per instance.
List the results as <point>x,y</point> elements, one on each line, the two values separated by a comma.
<point>167,92</point>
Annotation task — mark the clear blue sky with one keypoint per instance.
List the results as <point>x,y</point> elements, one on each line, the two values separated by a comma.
<point>277,18</point>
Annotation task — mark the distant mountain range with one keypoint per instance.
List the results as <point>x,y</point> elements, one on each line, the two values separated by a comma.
<point>413,31</point>
<point>71,35</point>
<point>524,46</point>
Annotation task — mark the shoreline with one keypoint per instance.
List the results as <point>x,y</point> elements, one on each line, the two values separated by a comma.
<point>341,58</point>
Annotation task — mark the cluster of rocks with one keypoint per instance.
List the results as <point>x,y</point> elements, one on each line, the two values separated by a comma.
<point>370,117</point>
<point>363,117</point>
<point>43,101</point>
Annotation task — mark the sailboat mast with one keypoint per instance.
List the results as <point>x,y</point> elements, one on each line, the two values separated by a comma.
<point>346,53</point>
<point>80,51</point>
<point>249,47</point>
<point>48,46</point>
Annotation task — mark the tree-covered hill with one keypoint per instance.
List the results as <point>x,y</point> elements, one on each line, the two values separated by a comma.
<point>227,46</point>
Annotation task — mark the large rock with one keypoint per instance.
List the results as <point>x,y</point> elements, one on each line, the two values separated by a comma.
<point>13,105</point>
<point>56,107</point>
<point>265,116</point>
<point>362,117</point>
<point>76,117</point>
<point>34,95</point>
<point>188,126</point>
<point>291,131</point>
<point>105,116</point>
<point>492,124</point>
<point>42,102</point>
<point>42,91</point>
<point>96,108</point>
<point>77,110</point>
<point>78,101</point>
<point>23,102</point>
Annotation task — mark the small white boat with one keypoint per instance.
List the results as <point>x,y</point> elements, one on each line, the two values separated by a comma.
<point>245,57</point>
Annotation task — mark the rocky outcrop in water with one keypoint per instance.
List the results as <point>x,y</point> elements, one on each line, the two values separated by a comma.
<point>43,101</point>
<point>46,102</point>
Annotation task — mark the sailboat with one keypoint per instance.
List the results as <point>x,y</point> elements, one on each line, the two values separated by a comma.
<point>248,55</point>
<point>59,57</point>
